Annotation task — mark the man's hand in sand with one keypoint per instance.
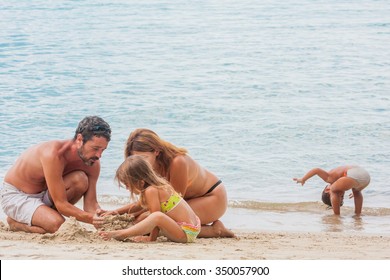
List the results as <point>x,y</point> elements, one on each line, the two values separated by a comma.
<point>98,219</point>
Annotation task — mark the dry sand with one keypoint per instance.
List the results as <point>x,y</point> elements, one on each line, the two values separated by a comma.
<point>78,241</point>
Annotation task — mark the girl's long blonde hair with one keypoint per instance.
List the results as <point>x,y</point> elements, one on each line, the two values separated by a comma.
<point>136,169</point>
<point>146,140</point>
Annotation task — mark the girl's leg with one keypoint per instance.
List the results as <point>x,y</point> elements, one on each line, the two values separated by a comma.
<point>156,219</point>
<point>209,209</point>
<point>358,199</point>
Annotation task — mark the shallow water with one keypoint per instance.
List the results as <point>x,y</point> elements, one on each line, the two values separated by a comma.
<point>291,217</point>
<point>259,92</point>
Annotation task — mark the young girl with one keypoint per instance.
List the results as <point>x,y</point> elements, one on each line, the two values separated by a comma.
<point>341,179</point>
<point>169,212</point>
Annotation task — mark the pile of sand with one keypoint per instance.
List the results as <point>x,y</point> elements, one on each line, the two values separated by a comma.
<point>3,226</point>
<point>116,222</point>
<point>71,230</point>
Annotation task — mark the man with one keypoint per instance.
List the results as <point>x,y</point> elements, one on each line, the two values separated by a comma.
<point>49,178</point>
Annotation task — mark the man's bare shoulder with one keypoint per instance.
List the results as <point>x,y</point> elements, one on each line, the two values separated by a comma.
<point>46,149</point>
<point>50,152</point>
<point>53,147</point>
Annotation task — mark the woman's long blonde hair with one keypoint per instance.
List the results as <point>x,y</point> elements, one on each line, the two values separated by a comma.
<point>146,140</point>
<point>136,169</point>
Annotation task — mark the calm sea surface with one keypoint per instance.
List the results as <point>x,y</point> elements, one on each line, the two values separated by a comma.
<point>259,92</point>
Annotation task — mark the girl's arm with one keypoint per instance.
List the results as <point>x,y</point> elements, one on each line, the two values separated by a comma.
<point>153,203</point>
<point>315,171</point>
<point>128,208</point>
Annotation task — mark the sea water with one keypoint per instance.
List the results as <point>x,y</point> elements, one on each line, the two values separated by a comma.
<point>259,92</point>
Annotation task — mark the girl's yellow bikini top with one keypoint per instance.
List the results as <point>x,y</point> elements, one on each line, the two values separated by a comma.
<point>171,203</point>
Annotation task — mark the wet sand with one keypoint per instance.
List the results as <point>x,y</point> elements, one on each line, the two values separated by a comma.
<point>78,241</point>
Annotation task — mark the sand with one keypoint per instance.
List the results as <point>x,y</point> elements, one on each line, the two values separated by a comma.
<point>79,241</point>
<point>117,222</point>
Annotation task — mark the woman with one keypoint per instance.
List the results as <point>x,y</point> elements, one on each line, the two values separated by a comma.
<point>202,190</point>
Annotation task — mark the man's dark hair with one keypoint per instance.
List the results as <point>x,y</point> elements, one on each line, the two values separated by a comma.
<point>93,126</point>
<point>325,197</point>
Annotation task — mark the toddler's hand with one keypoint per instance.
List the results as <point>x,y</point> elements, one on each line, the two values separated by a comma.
<point>108,213</point>
<point>299,181</point>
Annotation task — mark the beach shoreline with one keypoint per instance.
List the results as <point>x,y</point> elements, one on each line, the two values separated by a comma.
<point>78,241</point>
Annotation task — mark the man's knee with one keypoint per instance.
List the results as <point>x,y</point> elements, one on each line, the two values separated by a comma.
<point>50,221</point>
<point>54,225</point>
<point>79,181</point>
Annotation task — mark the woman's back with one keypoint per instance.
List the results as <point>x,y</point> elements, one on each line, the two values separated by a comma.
<point>185,173</point>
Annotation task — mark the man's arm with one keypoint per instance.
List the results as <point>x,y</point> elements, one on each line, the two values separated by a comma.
<point>90,197</point>
<point>53,167</point>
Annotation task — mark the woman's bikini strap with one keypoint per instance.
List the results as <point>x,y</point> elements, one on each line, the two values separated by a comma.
<point>213,187</point>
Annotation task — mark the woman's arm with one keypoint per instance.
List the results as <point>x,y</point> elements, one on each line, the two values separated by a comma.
<point>178,174</point>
